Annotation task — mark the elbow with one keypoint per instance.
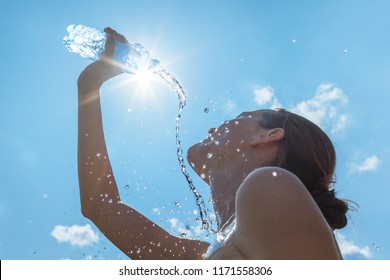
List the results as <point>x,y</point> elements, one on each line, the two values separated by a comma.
<point>88,206</point>
<point>93,208</point>
<point>86,210</point>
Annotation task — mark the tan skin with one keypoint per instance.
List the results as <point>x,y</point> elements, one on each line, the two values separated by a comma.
<point>276,218</point>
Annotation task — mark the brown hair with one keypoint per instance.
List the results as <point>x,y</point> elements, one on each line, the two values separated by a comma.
<point>308,152</point>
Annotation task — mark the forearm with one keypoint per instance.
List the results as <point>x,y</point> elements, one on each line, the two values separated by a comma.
<point>97,185</point>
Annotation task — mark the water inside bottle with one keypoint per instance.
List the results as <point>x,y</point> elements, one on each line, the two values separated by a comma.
<point>85,41</point>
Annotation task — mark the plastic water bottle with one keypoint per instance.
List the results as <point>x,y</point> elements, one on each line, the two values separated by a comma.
<point>89,42</point>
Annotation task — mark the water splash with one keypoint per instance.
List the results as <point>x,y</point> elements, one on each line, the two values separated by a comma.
<point>207,222</point>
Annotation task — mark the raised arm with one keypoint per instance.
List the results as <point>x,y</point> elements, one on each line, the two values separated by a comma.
<point>129,230</point>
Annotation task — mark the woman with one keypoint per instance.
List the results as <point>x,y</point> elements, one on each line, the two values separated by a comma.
<point>270,174</point>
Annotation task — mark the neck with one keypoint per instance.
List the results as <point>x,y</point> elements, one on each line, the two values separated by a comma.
<point>224,185</point>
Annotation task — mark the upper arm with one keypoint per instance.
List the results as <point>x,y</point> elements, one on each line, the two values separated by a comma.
<point>278,219</point>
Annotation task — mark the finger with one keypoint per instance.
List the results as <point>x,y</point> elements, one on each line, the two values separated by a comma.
<point>109,30</point>
<point>116,35</point>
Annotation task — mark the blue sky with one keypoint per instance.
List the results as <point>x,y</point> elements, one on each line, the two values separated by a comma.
<point>327,60</point>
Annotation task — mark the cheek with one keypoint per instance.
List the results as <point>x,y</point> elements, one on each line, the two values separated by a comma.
<point>230,141</point>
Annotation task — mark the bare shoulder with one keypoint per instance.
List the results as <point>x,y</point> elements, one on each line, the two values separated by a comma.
<point>278,219</point>
<point>268,183</point>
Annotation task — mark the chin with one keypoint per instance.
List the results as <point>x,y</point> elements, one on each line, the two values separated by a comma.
<point>197,156</point>
<point>192,155</point>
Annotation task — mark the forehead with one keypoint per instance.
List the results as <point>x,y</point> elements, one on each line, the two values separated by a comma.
<point>254,114</point>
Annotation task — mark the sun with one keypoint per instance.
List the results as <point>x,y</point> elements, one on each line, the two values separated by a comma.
<point>140,86</point>
<point>143,77</point>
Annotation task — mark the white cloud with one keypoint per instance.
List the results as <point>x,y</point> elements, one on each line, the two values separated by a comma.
<point>179,228</point>
<point>350,250</point>
<point>324,108</point>
<point>156,210</point>
<point>340,123</point>
<point>75,235</point>
<point>266,95</point>
<point>369,164</point>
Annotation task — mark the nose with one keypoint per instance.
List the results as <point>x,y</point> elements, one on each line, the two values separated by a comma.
<point>212,130</point>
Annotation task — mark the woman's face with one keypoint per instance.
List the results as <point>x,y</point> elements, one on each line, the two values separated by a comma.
<point>227,145</point>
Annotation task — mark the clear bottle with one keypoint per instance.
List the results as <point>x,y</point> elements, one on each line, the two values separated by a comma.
<point>89,43</point>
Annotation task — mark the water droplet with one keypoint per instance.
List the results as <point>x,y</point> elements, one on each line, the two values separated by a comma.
<point>183,234</point>
<point>274,174</point>
<point>209,155</point>
<point>294,40</point>
<point>202,176</point>
<point>204,166</point>
<point>129,110</point>
<point>98,154</point>
<point>236,122</point>
<point>206,110</point>
<point>345,50</point>
<point>177,203</point>
<point>238,150</point>
<point>195,212</point>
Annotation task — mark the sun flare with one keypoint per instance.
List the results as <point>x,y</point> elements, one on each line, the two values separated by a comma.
<point>143,78</point>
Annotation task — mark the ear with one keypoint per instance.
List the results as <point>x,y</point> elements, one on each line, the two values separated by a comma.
<point>272,135</point>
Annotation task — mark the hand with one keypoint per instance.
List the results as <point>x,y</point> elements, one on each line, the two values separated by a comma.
<point>110,42</point>
<point>95,74</point>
